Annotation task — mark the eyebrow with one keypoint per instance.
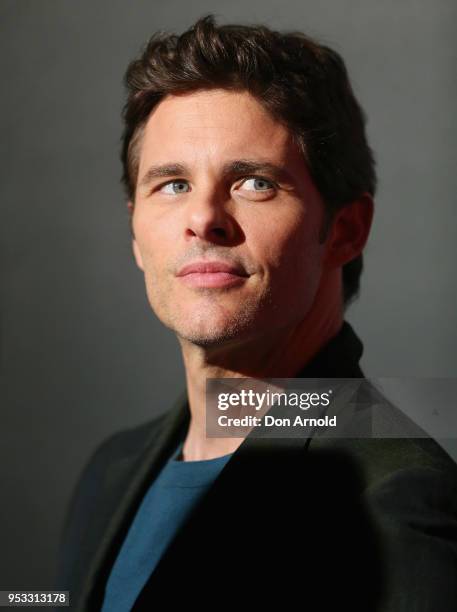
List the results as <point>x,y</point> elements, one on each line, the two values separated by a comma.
<point>231,168</point>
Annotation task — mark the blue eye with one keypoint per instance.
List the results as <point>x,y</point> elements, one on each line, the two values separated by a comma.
<point>260,184</point>
<point>182,187</point>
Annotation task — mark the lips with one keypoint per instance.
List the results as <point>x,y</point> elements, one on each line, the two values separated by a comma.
<point>211,267</point>
<point>212,275</point>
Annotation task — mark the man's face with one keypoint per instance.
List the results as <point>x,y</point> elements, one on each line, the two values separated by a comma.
<point>220,207</point>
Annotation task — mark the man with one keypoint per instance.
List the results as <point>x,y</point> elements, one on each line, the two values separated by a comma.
<point>250,187</point>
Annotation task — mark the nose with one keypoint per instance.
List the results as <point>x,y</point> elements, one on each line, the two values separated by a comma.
<point>208,217</point>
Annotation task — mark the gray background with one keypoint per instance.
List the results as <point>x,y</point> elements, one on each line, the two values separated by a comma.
<point>81,353</point>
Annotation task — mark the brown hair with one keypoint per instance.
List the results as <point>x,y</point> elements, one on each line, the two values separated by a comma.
<point>302,83</point>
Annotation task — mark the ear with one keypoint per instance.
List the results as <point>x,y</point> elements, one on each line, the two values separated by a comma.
<point>349,231</point>
<point>135,248</point>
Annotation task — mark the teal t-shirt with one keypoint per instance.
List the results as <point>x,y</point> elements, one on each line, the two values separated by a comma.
<point>163,510</point>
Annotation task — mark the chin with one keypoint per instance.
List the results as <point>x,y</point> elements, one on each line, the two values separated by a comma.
<point>205,332</point>
<point>210,336</point>
<point>203,341</point>
<point>213,323</point>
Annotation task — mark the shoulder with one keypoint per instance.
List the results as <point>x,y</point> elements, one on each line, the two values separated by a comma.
<point>409,489</point>
<point>384,441</point>
<point>408,477</point>
<point>411,495</point>
<point>413,502</point>
<point>382,458</point>
<point>414,474</point>
<point>97,492</point>
<point>119,449</point>
<point>126,442</point>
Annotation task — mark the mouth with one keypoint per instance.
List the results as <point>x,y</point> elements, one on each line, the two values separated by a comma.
<point>212,274</point>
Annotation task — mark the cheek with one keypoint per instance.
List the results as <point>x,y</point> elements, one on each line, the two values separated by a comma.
<point>301,261</point>
<point>292,256</point>
<point>150,239</point>
<point>288,246</point>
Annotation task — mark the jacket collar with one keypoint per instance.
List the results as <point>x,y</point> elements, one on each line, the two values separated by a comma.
<point>339,358</point>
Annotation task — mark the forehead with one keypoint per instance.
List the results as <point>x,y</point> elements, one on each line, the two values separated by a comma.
<point>215,125</point>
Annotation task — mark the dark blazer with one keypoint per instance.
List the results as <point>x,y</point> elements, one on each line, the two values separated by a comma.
<point>301,524</point>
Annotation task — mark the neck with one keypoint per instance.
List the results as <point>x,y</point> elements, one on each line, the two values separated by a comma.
<point>280,353</point>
